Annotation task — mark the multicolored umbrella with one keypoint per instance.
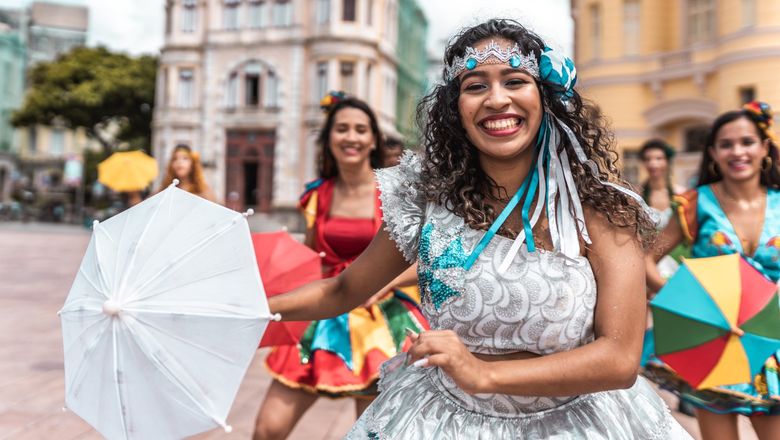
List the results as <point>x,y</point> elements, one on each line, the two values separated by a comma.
<point>716,321</point>
<point>284,264</point>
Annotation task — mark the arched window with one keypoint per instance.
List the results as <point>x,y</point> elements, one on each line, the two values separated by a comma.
<point>348,11</point>
<point>271,90</point>
<point>258,14</point>
<point>322,13</point>
<point>230,14</point>
<point>189,15</point>
<point>253,84</point>
<point>282,13</point>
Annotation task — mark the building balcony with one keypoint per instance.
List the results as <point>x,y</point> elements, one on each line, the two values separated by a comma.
<point>251,116</point>
<point>177,116</point>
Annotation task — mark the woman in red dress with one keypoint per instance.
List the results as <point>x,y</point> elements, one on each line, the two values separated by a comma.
<point>340,357</point>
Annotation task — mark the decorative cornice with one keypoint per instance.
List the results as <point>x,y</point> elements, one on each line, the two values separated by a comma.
<point>674,110</point>
<point>682,70</point>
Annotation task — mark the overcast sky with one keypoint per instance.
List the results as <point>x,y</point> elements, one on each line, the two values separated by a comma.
<point>136,26</point>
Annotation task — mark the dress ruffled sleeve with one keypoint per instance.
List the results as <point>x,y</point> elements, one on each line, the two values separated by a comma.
<point>685,206</point>
<point>307,203</point>
<point>403,204</point>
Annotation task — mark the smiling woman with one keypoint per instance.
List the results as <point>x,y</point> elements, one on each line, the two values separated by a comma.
<point>340,357</point>
<point>537,315</point>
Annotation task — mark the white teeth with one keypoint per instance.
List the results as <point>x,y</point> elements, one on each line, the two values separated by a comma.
<point>501,124</point>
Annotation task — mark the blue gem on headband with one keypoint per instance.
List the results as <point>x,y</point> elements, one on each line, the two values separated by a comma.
<point>492,54</point>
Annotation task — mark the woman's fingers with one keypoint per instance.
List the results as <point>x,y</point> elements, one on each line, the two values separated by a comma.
<point>432,342</point>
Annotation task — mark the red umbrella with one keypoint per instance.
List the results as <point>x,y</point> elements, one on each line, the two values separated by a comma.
<point>284,264</point>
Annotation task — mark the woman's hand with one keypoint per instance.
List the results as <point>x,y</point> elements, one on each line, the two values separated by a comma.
<point>443,349</point>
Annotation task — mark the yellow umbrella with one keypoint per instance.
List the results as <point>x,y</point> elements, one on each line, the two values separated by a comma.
<point>127,171</point>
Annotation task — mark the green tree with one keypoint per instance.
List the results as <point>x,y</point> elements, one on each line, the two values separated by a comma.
<point>108,94</point>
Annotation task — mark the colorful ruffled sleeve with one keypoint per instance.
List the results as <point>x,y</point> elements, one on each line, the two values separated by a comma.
<point>685,206</point>
<point>403,204</point>
<point>308,202</point>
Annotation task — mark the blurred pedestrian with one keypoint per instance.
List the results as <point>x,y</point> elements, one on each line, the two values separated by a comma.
<point>340,357</point>
<point>185,166</point>
<point>734,209</point>
<point>534,301</point>
<point>659,188</point>
<point>658,191</point>
<point>392,150</point>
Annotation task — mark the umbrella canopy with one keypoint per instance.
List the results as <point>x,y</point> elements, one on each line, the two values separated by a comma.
<point>285,264</point>
<point>163,319</point>
<point>716,321</point>
<point>127,171</point>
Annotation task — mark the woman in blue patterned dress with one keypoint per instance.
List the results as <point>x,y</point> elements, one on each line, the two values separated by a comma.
<point>530,261</point>
<point>734,209</point>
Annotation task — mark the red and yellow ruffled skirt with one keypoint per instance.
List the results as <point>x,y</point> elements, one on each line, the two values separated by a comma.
<point>340,357</point>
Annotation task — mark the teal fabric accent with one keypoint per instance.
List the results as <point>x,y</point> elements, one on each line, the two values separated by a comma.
<point>685,296</point>
<point>716,234</point>
<point>500,221</point>
<point>533,187</point>
<point>532,182</point>
<point>333,335</point>
<point>430,267</point>
<point>557,68</point>
<point>314,184</point>
<point>756,348</point>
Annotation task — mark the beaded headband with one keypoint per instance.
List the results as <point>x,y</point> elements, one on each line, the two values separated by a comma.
<point>492,54</point>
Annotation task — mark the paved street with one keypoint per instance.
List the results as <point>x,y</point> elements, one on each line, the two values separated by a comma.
<point>37,265</point>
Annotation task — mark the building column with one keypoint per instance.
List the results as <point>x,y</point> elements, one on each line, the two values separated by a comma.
<point>360,79</point>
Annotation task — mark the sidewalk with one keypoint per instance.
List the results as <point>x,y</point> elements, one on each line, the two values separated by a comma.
<point>37,266</point>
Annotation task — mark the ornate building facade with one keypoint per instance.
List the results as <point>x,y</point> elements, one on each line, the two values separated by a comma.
<point>667,68</point>
<point>240,82</point>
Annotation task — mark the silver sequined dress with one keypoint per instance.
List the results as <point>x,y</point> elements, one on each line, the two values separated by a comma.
<point>543,304</point>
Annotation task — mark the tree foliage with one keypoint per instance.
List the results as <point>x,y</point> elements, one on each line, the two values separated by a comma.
<point>109,94</point>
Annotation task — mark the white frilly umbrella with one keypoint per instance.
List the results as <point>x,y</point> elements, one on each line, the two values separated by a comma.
<point>163,319</point>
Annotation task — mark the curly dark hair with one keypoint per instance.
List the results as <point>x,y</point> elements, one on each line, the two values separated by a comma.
<point>769,178</point>
<point>452,175</point>
<point>327,167</point>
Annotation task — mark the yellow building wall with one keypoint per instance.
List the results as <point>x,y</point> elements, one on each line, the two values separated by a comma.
<point>668,70</point>
<point>672,86</point>
<point>622,104</point>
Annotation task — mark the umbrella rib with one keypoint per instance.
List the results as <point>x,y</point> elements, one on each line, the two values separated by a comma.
<point>162,243</point>
<point>159,292</point>
<point>201,314</point>
<point>101,275</point>
<point>136,329</point>
<point>87,355</point>
<point>116,246</point>
<point>122,420</point>
<point>134,256</point>
<point>181,258</point>
<point>81,333</point>
<point>180,339</point>
<point>69,306</point>
<point>92,283</point>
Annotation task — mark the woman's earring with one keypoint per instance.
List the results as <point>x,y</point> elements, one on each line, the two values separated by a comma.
<point>766,163</point>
